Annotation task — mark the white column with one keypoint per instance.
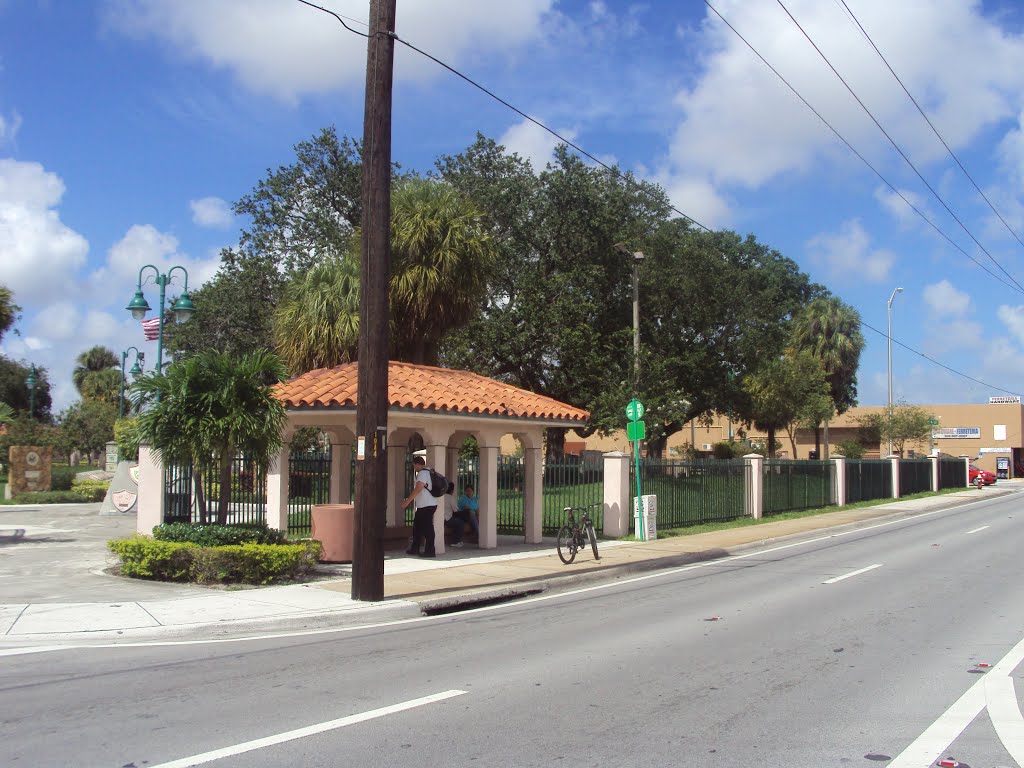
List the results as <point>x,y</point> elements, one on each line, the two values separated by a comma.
<point>436,456</point>
<point>935,472</point>
<point>341,473</point>
<point>754,484</point>
<point>967,470</point>
<point>277,489</point>
<point>488,494</point>
<point>840,469</point>
<point>396,490</point>
<point>151,492</point>
<point>617,495</point>
<point>895,476</point>
<point>533,497</point>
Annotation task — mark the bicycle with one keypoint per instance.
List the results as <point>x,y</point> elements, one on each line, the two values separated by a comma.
<point>573,536</point>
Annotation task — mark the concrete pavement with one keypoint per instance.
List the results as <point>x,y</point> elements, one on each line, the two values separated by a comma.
<point>55,585</point>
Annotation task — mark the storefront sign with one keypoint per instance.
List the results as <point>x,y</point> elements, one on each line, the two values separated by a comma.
<point>1003,399</point>
<point>996,450</point>
<point>957,433</point>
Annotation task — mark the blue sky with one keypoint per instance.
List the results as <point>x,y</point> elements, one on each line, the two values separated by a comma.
<point>128,127</point>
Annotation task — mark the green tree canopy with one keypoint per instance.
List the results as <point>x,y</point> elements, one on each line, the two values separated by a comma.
<point>214,405</point>
<point>88,425</point>
<point>14,389</point>
<point>8,310</point>
<point>97,374</point>
<point>829,329</point>
<point>909,425</point>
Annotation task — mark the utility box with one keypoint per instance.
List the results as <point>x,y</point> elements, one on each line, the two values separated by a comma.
<point>646,517</point>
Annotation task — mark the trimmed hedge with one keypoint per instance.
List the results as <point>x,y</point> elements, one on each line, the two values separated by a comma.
<point>219,535</point>
<point>146,558</point>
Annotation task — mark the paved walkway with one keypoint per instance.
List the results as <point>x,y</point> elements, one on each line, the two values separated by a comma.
<point>54,584</point>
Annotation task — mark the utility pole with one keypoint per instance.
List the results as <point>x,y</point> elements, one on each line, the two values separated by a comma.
<point>372,395</point>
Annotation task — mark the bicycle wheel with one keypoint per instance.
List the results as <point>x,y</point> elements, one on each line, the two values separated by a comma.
<point>593,540</point>
<point>566,545</point>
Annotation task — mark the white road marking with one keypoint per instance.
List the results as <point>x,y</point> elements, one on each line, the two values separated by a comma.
<point>309,730</point>
<point>852,573</point>
<point>929,746</point>
<point>495,607</point>
<point>982,528</point>
<point>1003,710</point>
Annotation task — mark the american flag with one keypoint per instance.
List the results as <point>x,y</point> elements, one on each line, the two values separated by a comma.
<point>151,328</point>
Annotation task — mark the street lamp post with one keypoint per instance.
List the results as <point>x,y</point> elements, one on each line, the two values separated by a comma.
<point>30,381</point>
<point>136,371</point>
<point>182,308</point>
<point>637,257</point>
<point>889,339</point>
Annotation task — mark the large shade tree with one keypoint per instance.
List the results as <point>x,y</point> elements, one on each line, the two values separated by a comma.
<point>211,406</point>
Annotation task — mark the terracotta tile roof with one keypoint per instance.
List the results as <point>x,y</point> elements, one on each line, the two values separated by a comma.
<point>423,387</point>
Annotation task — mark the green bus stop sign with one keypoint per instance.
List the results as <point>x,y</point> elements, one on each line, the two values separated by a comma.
<point>635,410</point>
<point>636,430</point>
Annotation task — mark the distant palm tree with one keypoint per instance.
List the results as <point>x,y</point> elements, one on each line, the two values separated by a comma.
<point>829,329</point>
<point>95,360</point>
<point>316,324</point>
<point>212,406</point>
<point>441,260</point>
<point>6,413</point>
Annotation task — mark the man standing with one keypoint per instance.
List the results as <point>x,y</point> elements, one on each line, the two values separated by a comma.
<point>426,506</point>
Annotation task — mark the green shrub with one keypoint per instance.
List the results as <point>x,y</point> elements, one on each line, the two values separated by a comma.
<point>91,490</point>
<point>61,477</point>
<point>50,497</point>
<point>219,535</point>
<point>851,449</point>
<point>143,557</point>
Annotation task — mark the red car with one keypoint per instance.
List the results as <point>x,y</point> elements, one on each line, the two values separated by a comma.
<point>982,476</point>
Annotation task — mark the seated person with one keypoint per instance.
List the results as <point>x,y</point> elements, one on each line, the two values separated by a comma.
<point>452,519</point>
<point>468,508</point>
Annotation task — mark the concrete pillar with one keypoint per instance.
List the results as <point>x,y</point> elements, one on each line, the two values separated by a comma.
<point>895,476</point>
<point>277,489</point>
<point>436,456</point>
<point>151,491</point>
<point>488,493</point>
<point>935,472</point>
<point>397,490</point>
<point>617,496</point>
<point>754,485</point>
<point>533,496</point>
<point>341,473</point>
<point>840,485</point>
<point>967,470</point>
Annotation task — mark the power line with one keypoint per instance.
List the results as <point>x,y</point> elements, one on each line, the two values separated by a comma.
<point>930,124</point>
<point>897,146</point>
<point>861,157</point>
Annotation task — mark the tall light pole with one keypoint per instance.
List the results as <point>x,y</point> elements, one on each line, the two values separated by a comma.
<point>182,308</point>
<point>637,257</point>
<point>889,338</point>
<point>136,371</point>
<point>30,381</point>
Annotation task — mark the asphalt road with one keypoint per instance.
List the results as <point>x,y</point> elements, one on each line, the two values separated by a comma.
<point>841,650</point>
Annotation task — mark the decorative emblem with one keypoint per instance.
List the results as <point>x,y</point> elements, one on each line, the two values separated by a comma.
<point>134,472</point>
<point>32,458</point>
<point>123,500</point>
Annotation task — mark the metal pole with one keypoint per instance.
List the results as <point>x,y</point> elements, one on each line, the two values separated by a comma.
<point>162,281</point>
<point>120,399</point>
<point>636,323</point>
<point>889,341</point>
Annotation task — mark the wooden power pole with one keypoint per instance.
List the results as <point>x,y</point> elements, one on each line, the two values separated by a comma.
<point>372,404</point>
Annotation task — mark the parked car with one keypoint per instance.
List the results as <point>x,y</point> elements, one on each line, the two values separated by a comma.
<point>986,477</point>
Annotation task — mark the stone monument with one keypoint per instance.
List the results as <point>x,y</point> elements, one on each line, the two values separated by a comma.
<point>29,469</point>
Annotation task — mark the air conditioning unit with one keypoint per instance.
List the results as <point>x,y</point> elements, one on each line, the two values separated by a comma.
<point>706,447</point>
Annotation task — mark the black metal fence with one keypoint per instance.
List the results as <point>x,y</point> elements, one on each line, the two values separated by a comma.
<point>952,473</point>
<point>309,483</point>
<point>692,492</point>
<point>792,485</point>
<point>868,479</point>
<point>915,476</point>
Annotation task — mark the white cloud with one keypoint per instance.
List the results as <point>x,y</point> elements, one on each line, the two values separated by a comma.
<point>9,127</point>
<point>697,198</point>
<point>848,254</point>
<point>289,50</point>
<point>898,208</point>
<point>57,321</point>
<point>532,142</point>
<point>211,212</point>
<point>944,299</point>
<point>1013,320</point>
<point>36,246</point>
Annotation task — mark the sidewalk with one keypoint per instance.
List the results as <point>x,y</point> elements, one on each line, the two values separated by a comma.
<point>59,601</point>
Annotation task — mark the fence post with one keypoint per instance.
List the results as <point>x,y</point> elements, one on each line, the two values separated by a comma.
<point>935,472</point>
<point>895,476</point>
<point>753,493</point>
<point>277,489</point>
<point>967,470</point>
<point>840,469</point>
<point>616,494</point>
<point>151,492</point>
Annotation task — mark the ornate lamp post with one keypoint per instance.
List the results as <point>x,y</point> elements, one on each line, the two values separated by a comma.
<point>136,371</point>
<point>30,381</point>
<point>182,308</point>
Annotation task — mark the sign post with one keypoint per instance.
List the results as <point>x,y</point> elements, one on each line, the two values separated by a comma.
<point>636,431</point>
<point>931,435</point>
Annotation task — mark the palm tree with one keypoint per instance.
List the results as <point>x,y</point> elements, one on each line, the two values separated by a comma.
<point>442,257</point>
<point>102,386</point>
<point>211,407</point>
<point>95,360</point>
<point>316,324</point>
<point>829,329</point>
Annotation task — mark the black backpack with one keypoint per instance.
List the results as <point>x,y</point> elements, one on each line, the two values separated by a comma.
<point>438,484</point>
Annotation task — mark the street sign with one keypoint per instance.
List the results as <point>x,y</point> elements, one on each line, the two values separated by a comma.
<point>933,422</point>
<point>636,430</point>
<point>635,410</point>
